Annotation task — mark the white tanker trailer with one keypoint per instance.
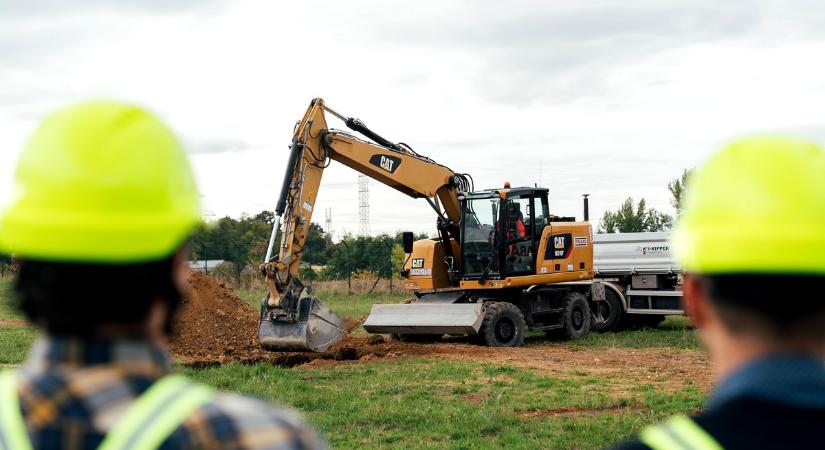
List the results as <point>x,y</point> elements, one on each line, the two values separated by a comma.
<point>642,282</point>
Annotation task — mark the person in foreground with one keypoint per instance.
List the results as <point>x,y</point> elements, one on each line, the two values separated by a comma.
<point>106,201</point>
<point>752,242</point>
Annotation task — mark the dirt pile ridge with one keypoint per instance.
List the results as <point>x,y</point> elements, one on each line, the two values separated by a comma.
<point>214,324</point>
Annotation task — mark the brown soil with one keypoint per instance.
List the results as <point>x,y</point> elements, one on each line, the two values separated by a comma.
<point>216,327</point>
<point>13,322</point>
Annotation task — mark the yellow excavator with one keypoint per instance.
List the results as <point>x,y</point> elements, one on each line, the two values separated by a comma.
<point>501,264</point>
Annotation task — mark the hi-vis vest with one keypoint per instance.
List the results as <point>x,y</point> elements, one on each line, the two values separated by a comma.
<point>678,433</point>
<point>145,424</point>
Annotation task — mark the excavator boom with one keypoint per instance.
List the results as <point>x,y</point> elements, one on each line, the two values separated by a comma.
<point>291,318</point>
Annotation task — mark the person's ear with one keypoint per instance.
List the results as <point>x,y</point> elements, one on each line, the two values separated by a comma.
<point>695,301</point>
<point>180,266</point>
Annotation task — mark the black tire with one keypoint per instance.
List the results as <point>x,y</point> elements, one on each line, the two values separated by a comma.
<point>608,313</point>
<point>577,315</point>
<point>503,325</point>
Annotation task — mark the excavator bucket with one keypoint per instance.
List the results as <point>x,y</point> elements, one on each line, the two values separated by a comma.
<point>313,328</point>
<point>425,318</point>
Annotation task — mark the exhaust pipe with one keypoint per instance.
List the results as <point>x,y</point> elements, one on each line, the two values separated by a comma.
<point>586,207</point>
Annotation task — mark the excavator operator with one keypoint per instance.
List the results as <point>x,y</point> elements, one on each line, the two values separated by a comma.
<point>516,229</point>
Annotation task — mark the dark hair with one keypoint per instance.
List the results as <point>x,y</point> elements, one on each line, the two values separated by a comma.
<point>76,299</point>
<point>779,305</point>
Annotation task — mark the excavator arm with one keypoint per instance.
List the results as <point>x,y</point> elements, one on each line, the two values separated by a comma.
<point>291,318</point>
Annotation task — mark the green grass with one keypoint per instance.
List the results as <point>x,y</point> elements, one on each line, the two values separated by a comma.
<point>674,332</point>
<point>425,403</point>
<point>413,403</point>
<point>15,341</point>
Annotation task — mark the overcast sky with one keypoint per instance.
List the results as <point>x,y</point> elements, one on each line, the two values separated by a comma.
<point>610,98</point>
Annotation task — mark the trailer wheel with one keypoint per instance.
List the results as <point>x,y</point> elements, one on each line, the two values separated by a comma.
<point>608,313</point>
<point>577,315</point>
<point>503,325</point>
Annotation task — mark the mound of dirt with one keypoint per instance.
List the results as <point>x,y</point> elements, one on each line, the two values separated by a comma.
<point>214,324</point>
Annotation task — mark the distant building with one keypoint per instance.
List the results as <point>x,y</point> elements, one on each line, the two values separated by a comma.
<point>205,265</point>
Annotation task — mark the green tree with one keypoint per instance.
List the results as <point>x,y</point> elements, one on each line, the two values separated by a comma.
<point>398,258</point>
<point>239,241</point>
<point>677,189</point>
<point>628,219</point>
<point>267,217</point>
<point>315,246</point>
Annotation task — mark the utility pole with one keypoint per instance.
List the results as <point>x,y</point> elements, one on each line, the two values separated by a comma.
<point>363,206</point>
<point>328,213</point>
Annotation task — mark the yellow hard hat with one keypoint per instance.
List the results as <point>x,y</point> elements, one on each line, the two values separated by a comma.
<point>757,206</point>
<point>101,182</point>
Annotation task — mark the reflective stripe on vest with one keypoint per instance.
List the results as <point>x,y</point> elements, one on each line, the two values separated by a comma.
<point>678,433</point>
<point>12,430</point>
<point>145,424</point>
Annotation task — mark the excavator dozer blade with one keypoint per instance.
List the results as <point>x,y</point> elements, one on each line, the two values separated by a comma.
<point>425,318</point>
<point>316,328</point>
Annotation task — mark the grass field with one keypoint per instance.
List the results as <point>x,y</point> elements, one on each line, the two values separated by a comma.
<point>429,402</point>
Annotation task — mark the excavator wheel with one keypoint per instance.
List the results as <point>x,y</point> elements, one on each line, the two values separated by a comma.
<point>577,316</point>
<point>503,325</point>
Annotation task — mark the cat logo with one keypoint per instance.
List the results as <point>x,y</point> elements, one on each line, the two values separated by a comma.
<point>417,263</point>
<point>558,242</point>
<point>386,162</point>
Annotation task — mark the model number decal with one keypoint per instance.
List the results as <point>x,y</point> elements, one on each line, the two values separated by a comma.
<point>580,241</point>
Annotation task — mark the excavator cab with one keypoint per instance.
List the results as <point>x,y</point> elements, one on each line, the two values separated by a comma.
<point>501,231</point>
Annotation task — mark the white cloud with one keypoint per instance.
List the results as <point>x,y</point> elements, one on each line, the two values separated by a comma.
<point>611,98</point>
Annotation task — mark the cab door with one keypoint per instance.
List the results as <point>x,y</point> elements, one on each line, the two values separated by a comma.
<point>520,234</point>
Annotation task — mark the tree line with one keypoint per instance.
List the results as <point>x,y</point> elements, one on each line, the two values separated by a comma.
<point>633,217</point>
<point>243,243</point>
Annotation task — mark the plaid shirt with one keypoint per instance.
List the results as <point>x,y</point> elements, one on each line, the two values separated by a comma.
<point>72,391</point>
